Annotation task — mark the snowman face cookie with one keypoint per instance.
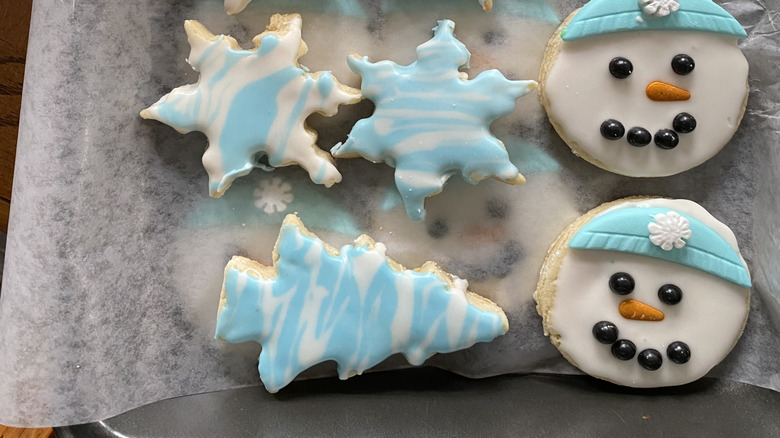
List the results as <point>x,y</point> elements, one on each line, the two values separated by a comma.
<point>645,101</point>
<point>645,292</point>
<point>643,322</point>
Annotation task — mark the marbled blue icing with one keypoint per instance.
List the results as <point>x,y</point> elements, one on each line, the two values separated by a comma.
<point>430,123</point>
<point>353,309</point>
<point>251,103</point>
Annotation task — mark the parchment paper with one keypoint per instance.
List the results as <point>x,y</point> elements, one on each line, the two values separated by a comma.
<point>115,251</point>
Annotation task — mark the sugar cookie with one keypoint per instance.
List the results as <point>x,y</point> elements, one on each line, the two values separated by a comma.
<point>431,121</point>
<point>646,88</point>
<point>644,292</point>
<point>254,103</point>
<point>354,306</point>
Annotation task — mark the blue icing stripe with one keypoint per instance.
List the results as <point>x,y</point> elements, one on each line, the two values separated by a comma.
<point>600,17</point>
<point>429,123</point>
<point>626,230</point>
<point>354,309</point>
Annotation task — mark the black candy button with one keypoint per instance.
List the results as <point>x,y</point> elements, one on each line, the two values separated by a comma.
<point>650,359</point>
<point>684,123</point>
<point>605,332</point>
<point>621,283</point>
<point>669,294</point>
<point>621,68</point>
<point>683,64</point>
<point>666,139</point>
<point>678,352</point>
<point>624,349</point>
<point>639,137</point>
<point>611,129</point>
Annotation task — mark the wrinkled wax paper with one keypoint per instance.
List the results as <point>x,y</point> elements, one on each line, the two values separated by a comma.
<point>116,252</point>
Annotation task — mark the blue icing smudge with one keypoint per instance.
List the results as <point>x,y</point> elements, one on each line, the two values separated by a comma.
<point>429,123</point>
<point>319,207</point>
<point>534,159</point>
<point>536,9</point>
<point>354,309</point>
<point>391,200</point>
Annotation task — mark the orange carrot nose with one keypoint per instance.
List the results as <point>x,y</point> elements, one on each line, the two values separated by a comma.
<point>663,92</point>
<point>637,310</point>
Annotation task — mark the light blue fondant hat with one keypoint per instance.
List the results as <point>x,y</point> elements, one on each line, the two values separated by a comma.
<point>600,17</point>
<point>663,234</point>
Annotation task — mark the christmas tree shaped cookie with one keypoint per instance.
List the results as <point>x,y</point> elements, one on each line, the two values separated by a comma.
<point>431,121</point>
<point>354,306</point>
<point>254,103</point>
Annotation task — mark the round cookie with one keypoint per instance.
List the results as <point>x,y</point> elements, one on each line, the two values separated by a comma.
<point>642,90</point>
<point>644,292</point>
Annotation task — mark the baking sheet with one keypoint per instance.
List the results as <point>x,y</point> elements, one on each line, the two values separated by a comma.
<point>115,251</point>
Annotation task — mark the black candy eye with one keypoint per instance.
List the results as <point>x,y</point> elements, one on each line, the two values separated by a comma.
<point>621,283</point>
<point>650,359</point>
<point>679,352</point>
<point>639,137</point>
<point>666,139</point>
<point>621,68</point>
<point>684,123</point>
<point>611,129</point>
<point>605,332</point>
<point>624,349</point>
<point>683,64</point>
<point>669,294</point>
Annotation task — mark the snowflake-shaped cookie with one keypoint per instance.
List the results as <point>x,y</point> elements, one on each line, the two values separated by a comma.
<point>273,195</point>
<point>659,8</point>
<point>251,103</point>
<point>431,121</point>
<point>669,230</point>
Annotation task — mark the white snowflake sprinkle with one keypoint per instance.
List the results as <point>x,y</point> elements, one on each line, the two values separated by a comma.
<point>659,8</point>
<point>669,230</point>
<point>273,195</point>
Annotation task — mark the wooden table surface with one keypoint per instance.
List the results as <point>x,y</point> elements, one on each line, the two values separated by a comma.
<point>14,27</point>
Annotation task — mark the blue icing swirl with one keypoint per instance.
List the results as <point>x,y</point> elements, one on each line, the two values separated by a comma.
<point>352,308</point>
<point>430,122</point>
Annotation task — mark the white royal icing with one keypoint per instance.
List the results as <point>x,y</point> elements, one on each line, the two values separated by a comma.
<point>669,230</point>
<point>709,318</point>
<point>582,94</point>
<point>659,8</point>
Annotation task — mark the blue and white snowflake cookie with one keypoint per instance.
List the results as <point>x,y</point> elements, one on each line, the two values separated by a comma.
<point>431,121</point>
<point>253,103</point>
<point>645,292</point>
<point>646,88</point>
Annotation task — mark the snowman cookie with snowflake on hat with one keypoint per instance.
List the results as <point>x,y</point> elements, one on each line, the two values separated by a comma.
<point>645,292</point>
<point>646,88</point>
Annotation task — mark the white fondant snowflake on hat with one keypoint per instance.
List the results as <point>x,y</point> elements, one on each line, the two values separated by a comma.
<point>273,195</point>
<point>669,230</point>
<point>659,8</point>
